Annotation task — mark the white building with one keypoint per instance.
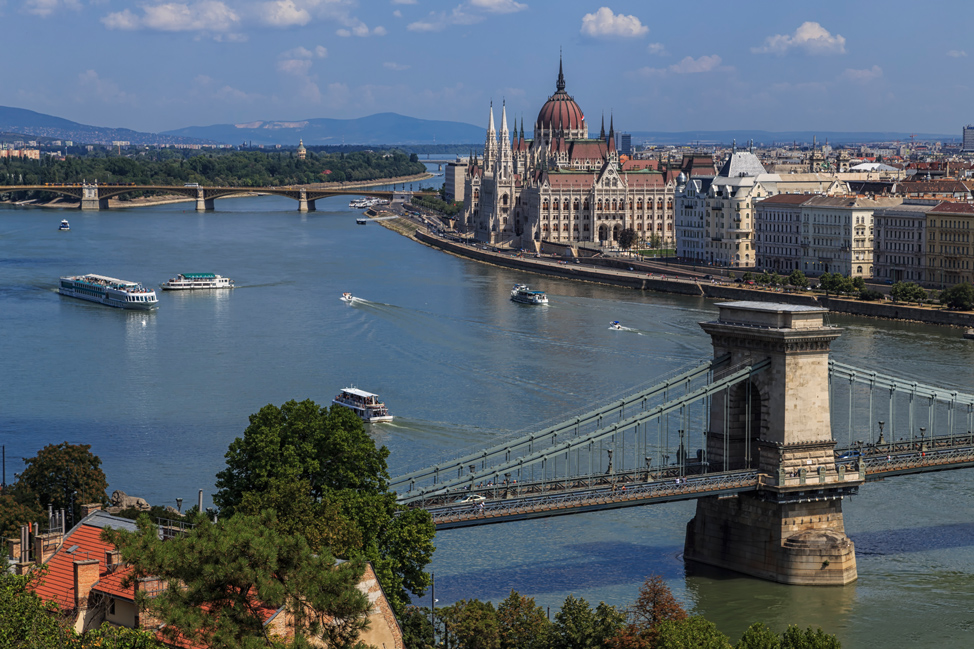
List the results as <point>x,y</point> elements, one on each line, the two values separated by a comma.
<point>778,226</point>
<point>837,234</point>
<point>899,241</point>
<point>690,207</point>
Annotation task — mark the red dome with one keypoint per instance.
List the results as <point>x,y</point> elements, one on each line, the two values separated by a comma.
<point>560,112</point>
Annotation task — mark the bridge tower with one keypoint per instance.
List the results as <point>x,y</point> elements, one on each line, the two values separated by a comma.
<point>90,199</point>
<point>791,530</point>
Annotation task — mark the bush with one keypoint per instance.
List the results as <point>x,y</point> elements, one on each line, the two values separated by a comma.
<point>869,295</point>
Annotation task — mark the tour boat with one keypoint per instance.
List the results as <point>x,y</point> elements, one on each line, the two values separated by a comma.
<point>64,225</point>
<point>109,291</point>
<point>347,297</point>
<point>524,295</point>
<point>364,404</point>
<point>361,220</point>
<point>969,333</point>
<point>193,281</point>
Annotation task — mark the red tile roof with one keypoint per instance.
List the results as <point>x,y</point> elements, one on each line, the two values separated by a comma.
<point>58,584</point>
<point>948,207</point>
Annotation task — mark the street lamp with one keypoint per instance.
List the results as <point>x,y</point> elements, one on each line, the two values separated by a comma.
<point>881,440</point>
<point>922,432</point>
<point>681,454</point>
<point>649,462</point>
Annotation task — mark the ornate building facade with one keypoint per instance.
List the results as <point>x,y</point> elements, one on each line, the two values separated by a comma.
<point>562,186</point>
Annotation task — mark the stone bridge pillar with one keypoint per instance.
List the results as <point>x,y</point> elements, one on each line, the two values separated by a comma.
<point>90,199</point>
<point>304,205</point>
<point>203,204</point>
<point>791,530</point>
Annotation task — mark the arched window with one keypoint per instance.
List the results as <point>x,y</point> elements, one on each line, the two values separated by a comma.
<point>564,227</point>
<point>545,206</point>
<point>566,204</point>
<point>659,204</point>
<point>586,204</point>
<point>504,200</point>
<point>576,205</point>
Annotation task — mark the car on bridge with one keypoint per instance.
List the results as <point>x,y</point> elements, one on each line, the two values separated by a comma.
<point>472,499</point>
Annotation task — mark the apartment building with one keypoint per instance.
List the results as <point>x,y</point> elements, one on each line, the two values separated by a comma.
<point>949,247</point>
<point>899,241</point>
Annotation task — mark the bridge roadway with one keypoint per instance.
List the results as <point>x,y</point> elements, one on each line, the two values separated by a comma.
<point>94,196</point>
<point>513,502</point>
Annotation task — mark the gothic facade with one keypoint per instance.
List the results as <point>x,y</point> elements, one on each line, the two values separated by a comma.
<point>562,186</point>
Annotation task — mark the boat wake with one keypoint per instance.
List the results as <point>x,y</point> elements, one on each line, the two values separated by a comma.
<point>615,326</point>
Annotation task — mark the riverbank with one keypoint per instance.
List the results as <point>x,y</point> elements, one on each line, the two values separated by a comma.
<point>636,275</point>
<point>60,202</point>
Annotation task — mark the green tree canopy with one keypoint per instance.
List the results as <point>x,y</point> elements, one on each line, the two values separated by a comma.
<point>758,636</point>
<point>523,624</point>
<point>577,626</point>
<point>907,292</point>
<point>64,476</point>
<point>323,462</point>
<point>959,297</point>
<point>796,638</point>
<point>692,633</point>
<point>471,624</point>
<point>627,238</point>
<point>798,279</point>
<point>218,576</point>
<point>16,509</point>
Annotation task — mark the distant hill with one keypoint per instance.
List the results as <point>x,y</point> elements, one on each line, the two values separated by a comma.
<point>39,125</point>
<point>381,128</point>
<point>766,138</point>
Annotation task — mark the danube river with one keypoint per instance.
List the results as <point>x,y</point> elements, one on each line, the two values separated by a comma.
<point>160,395</point>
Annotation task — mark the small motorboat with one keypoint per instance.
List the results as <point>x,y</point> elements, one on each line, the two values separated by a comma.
<point>64,225</point>
<point>361,220</point>
<point>347,297</point>
<point>615,325</point>
<point>969,333</point>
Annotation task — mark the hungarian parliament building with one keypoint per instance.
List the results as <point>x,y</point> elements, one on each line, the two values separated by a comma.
<point>561,186</point>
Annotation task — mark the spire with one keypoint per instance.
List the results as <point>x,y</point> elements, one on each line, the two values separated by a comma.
<point>602,132</point>
<point>561,77</point>
<point>504,118</point>
<point>612,130</point>
<point>490,126</point>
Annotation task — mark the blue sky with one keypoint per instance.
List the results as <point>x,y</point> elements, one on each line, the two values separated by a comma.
<point>665,66</point>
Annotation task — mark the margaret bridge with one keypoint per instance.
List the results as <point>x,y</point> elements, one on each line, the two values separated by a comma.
<point>92,196</point>
<point>768,436</point>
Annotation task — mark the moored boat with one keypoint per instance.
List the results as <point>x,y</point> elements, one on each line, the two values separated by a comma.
<point>109,291</point>
<point>64,225</point>
<point>523,294</point>
<point>364,404</point>
<point>195,281</point>
<point>969,333</point>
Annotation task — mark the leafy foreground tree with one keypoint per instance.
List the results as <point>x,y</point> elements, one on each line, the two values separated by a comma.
<point>219,576</point>
<point>654,605</point>
<point>470,624</point>
<point>523,624</point>
<point>322,463</point>
<point>417,628</point>
<point>64,476</point>
<point>577,626</point>
<point>692,633</point>
<point>28,622</point>
<point>758,636</point>
<point>16,509</point>
<point>795,638</point>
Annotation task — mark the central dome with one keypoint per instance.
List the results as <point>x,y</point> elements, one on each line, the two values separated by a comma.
<point>560,115</point>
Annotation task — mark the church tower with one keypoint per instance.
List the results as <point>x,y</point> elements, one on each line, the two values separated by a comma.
<point>505,168</point>
<point>490,144</point>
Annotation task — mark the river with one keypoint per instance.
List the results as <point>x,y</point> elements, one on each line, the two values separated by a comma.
<point>160,395</point>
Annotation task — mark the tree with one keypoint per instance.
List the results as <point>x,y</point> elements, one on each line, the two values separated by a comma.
<point>870,295</point>
<point>627,238</point>
<point>471,624</point>
<point>747,276</point>
<point>654,605</point>
<point>907,292</point>
<point>219,577</point>
<point>523,624</point>
<point>417,629</point>
<point>692,633</point>
<point>26,621</point>
<point>325,458</point>
<point>17,509</point>
<point>859,283</point>
<point>577,626</point>
<point>775,279</point>
<point>64,476</point>
<point>764,279</point>
<point>959,297</point>
<point>798,279</point>
<point>795,638</point>
<point>758,636</point>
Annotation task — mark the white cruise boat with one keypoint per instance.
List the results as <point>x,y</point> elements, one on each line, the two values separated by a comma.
<point>365,404</point>
<point>521,293</point>
<point>109,291</point>
<point>193,281</point>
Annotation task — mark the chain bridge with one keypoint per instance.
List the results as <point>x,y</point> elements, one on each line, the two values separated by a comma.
<point>93,196</point>
<point>768,437</point>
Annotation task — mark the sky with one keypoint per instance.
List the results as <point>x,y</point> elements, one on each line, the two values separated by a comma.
<point>154,65</point>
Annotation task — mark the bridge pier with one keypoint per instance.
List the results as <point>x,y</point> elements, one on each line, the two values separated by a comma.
<point>305,205</point>
<point>203,204</point>
<point>791,530</point>
<point>90,199</point>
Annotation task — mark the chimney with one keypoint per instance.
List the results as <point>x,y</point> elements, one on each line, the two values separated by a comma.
<point>45,545</point>
<point>85,577</point>
<point>113,558</point>
<point>86,510</point>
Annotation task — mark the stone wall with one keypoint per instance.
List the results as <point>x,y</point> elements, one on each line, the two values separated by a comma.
<point>898,312</point>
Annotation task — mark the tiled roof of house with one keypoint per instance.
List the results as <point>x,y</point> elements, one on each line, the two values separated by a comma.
<point>786,199</point>
<point>948,207</point>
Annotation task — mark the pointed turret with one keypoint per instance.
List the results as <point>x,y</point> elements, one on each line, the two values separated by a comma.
<point>490,146</point>
<point>490,124</point>
<point>561,76</point>
<point>602,130</point>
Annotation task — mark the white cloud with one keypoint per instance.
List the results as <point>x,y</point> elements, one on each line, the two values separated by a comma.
<point>862,76</point>
<point>403,2</point>
<point>124,20</point>
<point>605,23</point>
<point>297,67</point>
<point>284,13</point>
<point>498,6</point>
<point>657,48</point>
<point>397,13</point>
<point>688,65</point>
<point>319,52</point>
<point>392,65</point>
<point>355,27</point>
<point>810,37</point>
<point>92,86</point>
<point>45,8</point>
<point>203,16</point>
<point>957,54</point>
